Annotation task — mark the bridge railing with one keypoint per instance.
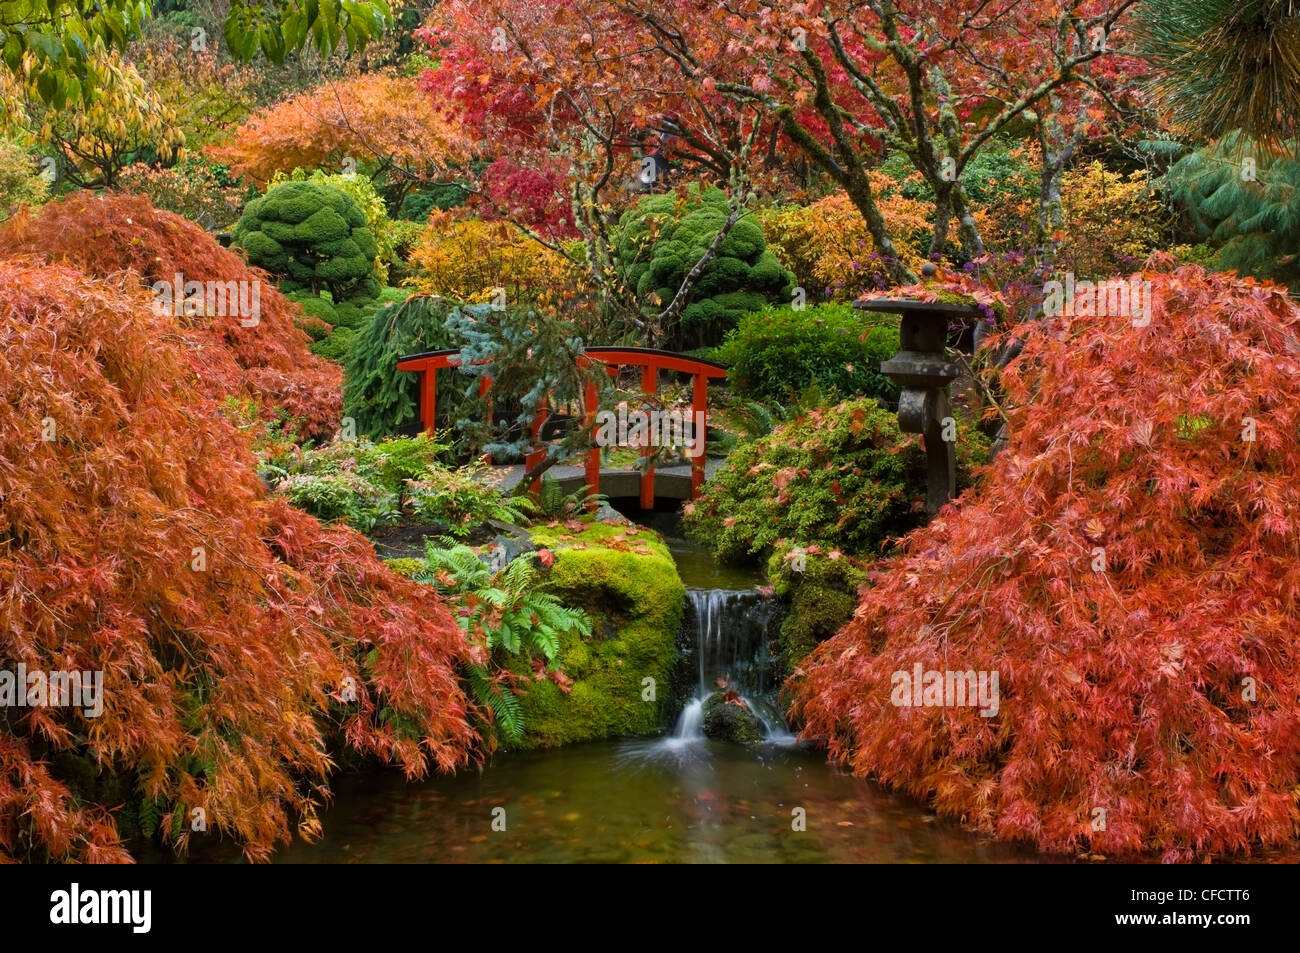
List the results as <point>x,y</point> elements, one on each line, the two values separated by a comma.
<point>650,360</point>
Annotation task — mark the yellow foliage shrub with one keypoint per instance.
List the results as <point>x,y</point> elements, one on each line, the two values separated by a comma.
<point>467,259</point>
<point>1112,221</point>
<point>829,249</point>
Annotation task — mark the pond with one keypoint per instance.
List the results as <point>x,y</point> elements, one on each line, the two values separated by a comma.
<point>637,802</point>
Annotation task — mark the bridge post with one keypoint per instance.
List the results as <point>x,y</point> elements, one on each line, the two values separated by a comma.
<point>592,469</point>
<point>699,409</point>
<point>536,454</point>
<point>649,385</point>
<point>429,397</point>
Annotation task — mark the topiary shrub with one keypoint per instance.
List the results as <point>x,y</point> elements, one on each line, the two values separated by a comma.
<point>1128,567</point>
<point>313,237</point>
<point>361,189</point>
<point>662,237</point>
<point>844,477</point>
<point>335,346</point>
<point>778,352</point>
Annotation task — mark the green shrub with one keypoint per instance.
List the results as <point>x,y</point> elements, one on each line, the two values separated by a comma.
<point>337,346</point>
<point>843,477</point>
<point>345,496</point>
<point>20,184</point>
<point>458,501</point>
<point>512,614</point>
<point>361,190</point>
<point>659,241</point>
<point>777,353</point>
<point>312,237</point>
<point>362,483</point>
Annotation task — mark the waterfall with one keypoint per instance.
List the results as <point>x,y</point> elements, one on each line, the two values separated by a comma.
<point>731,648</point>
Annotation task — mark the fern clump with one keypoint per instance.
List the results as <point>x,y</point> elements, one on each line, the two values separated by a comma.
<point>509,612</point>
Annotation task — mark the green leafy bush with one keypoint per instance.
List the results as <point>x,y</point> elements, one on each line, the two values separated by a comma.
<point>778,352</point>
<point>336,346</point>
<point>510,612</point>
<point>312,237</point>
<point>361,483</point>
<point>19,182</point>
<point>659,240</point>
<point>458,501</point>
<point>361,189</point>
<point>345,496</point>
<point>843,477</point>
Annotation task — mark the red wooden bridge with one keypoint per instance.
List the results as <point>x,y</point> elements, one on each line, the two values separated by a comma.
<point>650,360</point>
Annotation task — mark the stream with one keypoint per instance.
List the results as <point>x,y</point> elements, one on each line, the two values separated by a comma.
<point>679,798</point>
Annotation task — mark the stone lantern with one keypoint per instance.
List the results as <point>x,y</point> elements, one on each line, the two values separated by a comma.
<point>922,369</point>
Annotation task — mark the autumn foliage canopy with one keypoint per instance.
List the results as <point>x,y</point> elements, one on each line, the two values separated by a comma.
<point>241,643</point>
<point>1130,567</point>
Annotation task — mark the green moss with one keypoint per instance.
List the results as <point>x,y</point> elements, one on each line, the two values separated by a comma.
<point>820,599</point>
<point>635,602</point>
<point>405,566</point>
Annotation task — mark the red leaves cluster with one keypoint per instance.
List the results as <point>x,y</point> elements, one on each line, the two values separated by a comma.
<point>1130,566</point>
<point>268,362</point>
<point>223,683</point>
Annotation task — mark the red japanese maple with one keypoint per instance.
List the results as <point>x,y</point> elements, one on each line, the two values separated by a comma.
<point>1130,567</point>
<point>267,361</point>
<point>237,638</point>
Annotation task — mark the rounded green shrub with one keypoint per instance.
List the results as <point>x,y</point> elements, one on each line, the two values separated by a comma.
<point>777,353</point>
<point>336,347</point>
<point>844,477</point>
<point>660,239</point>
<point>312,237</point>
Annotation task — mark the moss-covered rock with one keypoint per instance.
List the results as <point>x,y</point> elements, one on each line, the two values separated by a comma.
<point>625,579</point>
<point>404,565</point>
<point>730,720</point>
<point>820,595</point>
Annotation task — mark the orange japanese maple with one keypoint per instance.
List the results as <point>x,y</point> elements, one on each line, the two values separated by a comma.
<point>380,121</point>
<point>267,361</point>
<point>237,638</point>
<point>1130,568</point>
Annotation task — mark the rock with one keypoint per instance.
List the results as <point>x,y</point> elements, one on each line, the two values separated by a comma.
<point>607,514</point>
<point>503,550</point>
<point>728,721</point>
